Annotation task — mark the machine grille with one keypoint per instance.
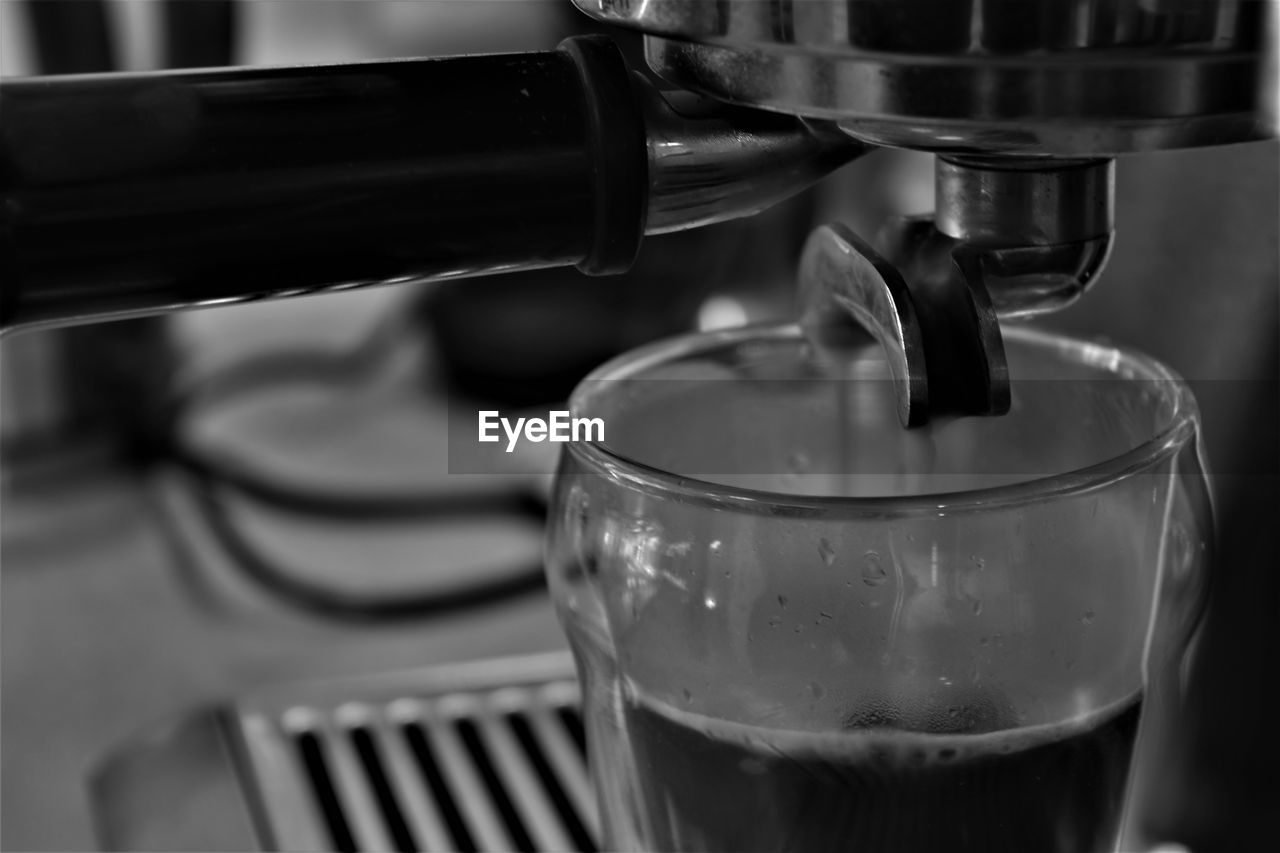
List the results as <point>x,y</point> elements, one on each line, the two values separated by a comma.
<point>501,769</point>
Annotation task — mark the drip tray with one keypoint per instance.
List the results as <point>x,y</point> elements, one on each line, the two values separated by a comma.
<point>482,757</point>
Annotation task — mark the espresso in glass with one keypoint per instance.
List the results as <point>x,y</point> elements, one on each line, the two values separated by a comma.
<point>800,627</point>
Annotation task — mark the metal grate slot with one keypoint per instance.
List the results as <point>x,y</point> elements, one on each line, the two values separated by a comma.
<point>570,817</point>
<point>572,720</point>
<point>326,796</point>
<point>461,837</point>
<point>481,813</point>
<point>569,763</point>
<point>401,836</point>
<point>494,784</point>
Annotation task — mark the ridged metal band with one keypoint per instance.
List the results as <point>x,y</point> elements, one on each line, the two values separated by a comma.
<point>1012,202</point>
<point>1033,77</point>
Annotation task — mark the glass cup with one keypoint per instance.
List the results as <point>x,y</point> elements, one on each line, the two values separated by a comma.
<point>800,627</point>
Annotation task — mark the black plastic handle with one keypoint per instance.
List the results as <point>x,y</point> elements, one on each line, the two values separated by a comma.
<point>130,194</point>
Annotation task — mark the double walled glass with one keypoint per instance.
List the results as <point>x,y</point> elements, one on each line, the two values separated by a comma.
<point>799,627</point>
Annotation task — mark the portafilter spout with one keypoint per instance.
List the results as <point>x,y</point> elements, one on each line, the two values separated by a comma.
<point>1010,238</point>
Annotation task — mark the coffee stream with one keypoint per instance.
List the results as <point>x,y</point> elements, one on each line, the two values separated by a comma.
<point>711,785</point>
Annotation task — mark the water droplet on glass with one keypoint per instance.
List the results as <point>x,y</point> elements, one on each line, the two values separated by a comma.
<point>580,505</point>
<point>782,601</point>
<point>774,622</point>
<point>798,462</point>
<point>873,571</point>
<point>977,607</point>
<point>826,551</point>
<point>1087,618</point>
<point>710,602</point>
<point>688,697</point>
<point>1181,552</point>
<point>978,562</point>
<point>715,546</point>
<point>953,712</point>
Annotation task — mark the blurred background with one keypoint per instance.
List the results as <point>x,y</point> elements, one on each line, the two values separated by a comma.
<point>202,505</point>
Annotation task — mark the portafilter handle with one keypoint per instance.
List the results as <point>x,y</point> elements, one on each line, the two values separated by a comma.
<point>132,194</point>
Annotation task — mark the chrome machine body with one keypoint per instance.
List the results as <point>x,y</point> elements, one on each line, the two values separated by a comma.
<point>1055,78</point>
<point>1026,102</point>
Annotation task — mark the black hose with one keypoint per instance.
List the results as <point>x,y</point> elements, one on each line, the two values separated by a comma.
<point>216,477</point>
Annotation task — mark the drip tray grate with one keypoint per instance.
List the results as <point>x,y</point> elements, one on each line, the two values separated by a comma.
<point>487,757</point>
<point>497,770</point>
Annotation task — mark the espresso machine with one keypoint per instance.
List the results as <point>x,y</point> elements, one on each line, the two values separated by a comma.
<point>134,194</point>
<point>137,194</point>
